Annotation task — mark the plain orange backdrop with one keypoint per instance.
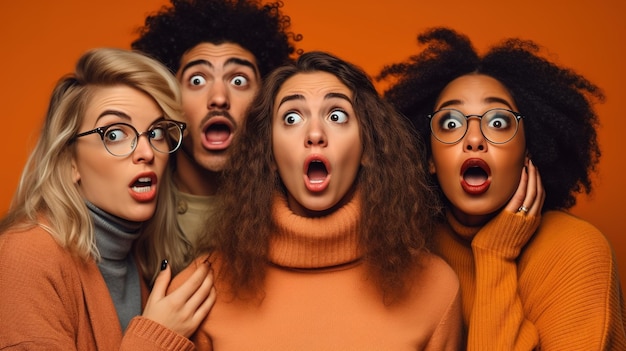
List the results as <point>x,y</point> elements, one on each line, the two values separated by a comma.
<point>41,41</point>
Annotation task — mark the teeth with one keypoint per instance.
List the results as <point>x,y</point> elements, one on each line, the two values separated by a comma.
<point>144,180</point>
<point>141,189</point>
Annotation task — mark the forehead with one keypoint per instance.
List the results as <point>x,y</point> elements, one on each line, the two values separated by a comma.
<point>217,54</point>
<point>313,84</point>
<point>124,100</point>
<point>475,88</point>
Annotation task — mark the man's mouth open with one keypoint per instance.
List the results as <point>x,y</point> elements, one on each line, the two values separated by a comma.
<point>217,134</point>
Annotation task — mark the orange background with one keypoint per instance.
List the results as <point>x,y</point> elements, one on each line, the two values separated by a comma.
<point>42,40</point>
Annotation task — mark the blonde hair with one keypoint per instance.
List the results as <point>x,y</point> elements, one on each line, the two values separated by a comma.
<point>46,195</point>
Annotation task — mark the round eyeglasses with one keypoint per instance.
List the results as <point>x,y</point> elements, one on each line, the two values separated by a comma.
<point>120,139</point>
<point>497,125</point>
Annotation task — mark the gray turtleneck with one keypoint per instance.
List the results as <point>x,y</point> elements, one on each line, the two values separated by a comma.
<point>114,240</point>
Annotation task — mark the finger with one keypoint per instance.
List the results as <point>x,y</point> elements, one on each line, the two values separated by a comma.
<point>206,306</point>
<point>517,199</point>
<point>541,194</point>
<point>531,190</point>
<point>161,282</point>
<point>201,294</point>
<point>191,284</point>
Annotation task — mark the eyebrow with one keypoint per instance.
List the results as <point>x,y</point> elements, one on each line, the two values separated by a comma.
<point>230,61</point>
<point>113,112</point>
<point>327,97</point>
<point>125,116</point>
<point>488,100</point>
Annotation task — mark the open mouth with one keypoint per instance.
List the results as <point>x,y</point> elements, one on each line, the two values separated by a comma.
<point>217,134</point>
<point>142,185</point>
<point>316,173</point>
<point>143,188</point>
<point>475,175</point>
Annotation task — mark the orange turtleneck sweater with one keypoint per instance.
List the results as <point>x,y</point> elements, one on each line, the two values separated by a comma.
<point>317,296</point>
<point>556,288</point>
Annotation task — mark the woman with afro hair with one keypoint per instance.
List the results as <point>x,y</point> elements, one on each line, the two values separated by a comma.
<point>532,275</point>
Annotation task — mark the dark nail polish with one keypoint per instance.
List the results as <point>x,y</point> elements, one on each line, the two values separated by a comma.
<point>163,264</point>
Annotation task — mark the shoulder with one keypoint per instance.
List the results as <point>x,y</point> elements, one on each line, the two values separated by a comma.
<point>181,277</point>
<point>434,272</point>
<point>567,245</point>
<point>562,232</point>
<point>29,248</point>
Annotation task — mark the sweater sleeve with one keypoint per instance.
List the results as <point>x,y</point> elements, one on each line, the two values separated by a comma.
<point>497,320</point>
<point>576,299</point>
<point>145,334</point>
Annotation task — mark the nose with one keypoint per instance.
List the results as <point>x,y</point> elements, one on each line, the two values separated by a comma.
<point>218,96</point>
<point>144,153</point>
<point>474,139</point>
<point>315,134</point>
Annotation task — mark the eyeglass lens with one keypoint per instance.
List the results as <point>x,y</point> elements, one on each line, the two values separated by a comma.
<point>497,125</point>
<point>121,139</point>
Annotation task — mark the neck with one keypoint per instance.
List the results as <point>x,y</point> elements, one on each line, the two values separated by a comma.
<point>192,178</point>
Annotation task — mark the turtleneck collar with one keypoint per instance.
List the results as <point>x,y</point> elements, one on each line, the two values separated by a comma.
<point>315,242</point>
<point>463,231</point>
<point>114,235</point>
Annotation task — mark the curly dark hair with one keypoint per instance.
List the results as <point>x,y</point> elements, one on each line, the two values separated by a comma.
<point>557,103</point>
<point>258,28</point>
<point>397,203</point>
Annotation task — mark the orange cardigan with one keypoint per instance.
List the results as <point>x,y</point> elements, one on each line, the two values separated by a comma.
<point>53,301</point>
<point>531,283</point>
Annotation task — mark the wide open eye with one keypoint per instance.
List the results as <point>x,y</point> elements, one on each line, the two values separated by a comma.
<point>118,133</point>
<point>449,120</point>
<point>499,120</point>
<point>292,118</point>
<point>239,81</point>
<point>338,116</point>
<point>197,80</point>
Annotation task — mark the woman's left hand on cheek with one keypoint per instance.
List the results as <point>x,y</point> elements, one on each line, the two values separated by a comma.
<point>529,196</point>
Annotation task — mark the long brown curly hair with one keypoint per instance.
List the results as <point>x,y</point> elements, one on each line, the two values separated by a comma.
<point>397,204</point>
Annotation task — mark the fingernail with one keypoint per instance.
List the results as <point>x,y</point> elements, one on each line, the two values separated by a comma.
<point>163,264</point>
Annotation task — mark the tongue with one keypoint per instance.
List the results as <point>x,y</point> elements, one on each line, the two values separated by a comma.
<point>217,134</point>
<point>475,176</point>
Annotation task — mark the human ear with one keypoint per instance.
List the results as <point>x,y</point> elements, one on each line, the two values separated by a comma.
<point>75,173</point>
<point>431,166</point>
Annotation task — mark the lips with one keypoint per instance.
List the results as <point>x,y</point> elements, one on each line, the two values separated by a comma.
<point>316,173</point>
<point>143,187</point>
<point>217,133</point>
<point>475,176</point>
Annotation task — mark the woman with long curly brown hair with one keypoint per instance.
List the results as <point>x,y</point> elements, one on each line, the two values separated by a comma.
<point>321,242</point>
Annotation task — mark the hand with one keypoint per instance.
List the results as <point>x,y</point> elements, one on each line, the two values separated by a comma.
<point>185,308</point>
<point>529,194</point>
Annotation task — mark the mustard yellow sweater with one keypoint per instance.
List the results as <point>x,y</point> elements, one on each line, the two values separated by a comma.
<point>556,289</point>
<point>318,297</point>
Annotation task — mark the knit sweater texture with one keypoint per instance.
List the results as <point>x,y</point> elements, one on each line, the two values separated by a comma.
<point>51,300</point>
<point>531,283</point>
<point>317,296</point>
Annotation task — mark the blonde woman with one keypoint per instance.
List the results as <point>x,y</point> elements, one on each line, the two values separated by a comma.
<point>68,277</point>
